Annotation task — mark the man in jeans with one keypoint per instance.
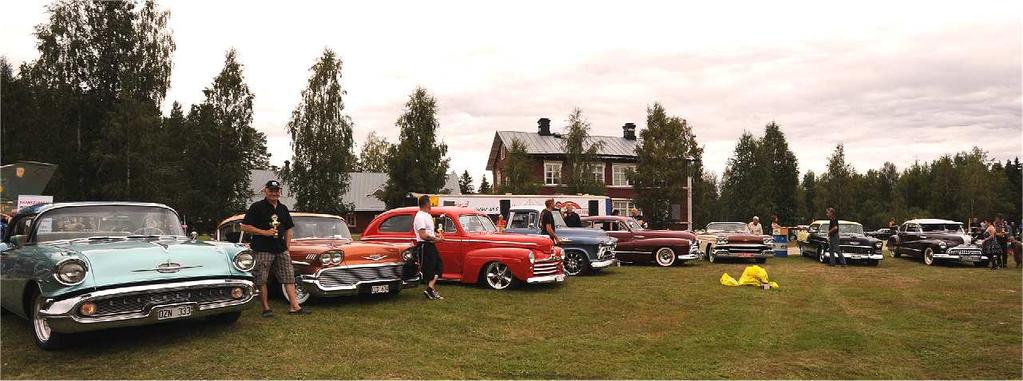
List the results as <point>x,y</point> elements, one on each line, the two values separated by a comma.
<point>270,224</point>
<point>833,247</point>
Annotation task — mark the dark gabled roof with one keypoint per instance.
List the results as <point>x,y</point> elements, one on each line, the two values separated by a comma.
<point>363,189</point>
<point>536,144</point>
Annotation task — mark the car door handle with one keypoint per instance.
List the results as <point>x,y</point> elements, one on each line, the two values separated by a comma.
<point>638,236</point>
<point>923,237</point>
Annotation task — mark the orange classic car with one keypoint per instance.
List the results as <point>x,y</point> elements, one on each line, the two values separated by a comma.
<point>329,263</point>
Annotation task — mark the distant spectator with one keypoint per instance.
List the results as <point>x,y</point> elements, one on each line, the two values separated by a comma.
<point>1002,233</point>
<point>755,227</point>
<point>892,224</point>
<point>990,246</point>
<point>833,247</point>
<point>639,217</point>
<point>775,225</point>
<point>572,218</point>
<point>1017,250</point>
<point>615,212</point>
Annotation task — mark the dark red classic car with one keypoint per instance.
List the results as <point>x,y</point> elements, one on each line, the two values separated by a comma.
<point>637,244</point>
<point>734,240</point>
<point>473,251</point>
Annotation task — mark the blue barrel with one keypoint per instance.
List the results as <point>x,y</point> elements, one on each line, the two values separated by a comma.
<point>781,245</point>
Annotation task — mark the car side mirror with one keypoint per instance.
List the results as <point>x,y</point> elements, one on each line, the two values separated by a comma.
<point>17,241</point>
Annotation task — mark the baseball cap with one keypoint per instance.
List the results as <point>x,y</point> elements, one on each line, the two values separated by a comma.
<point>273,184</point>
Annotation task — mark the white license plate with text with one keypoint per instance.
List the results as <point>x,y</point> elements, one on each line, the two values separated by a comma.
<point>381,289</point>
<point>173,312</point>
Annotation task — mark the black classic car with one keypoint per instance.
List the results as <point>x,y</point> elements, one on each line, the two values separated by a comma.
<point>586,250</point>
<point>855,245</point>
<point>936,240</point>
<point>883,234</point>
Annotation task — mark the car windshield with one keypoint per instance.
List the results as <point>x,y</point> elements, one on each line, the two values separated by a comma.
<point>475,223</point>
<point>728,227</point>
<point>633,224</point>
<point>559,220</point>
<point>950,227</point>
<point>320,227</point>
<point>849,229</point>
<point>106,221</point>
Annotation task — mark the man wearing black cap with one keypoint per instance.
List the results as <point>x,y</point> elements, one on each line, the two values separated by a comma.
<point>270,224</point>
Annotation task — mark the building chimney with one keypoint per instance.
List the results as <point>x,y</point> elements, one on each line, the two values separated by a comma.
<point>545,126</point>
<point>629,131</point>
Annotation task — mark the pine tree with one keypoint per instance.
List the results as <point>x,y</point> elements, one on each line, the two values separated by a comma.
<point>837,185</point>
<point>465,183</point>
<point>741,192</point>
<point>321,138</point>
<point>662,165</point>
<point>221,134</point>
<point>485,186</point>
<point>418,163</point>
<point>577,171</point>
<point>784,174</point>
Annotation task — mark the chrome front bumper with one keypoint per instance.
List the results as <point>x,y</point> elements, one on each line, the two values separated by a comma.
<point>312,285</point>
<point>961,258</point>
<point>603,263</point>
<point>62,315</point>
<point>724,253</point>
<point>546,279</point>
<point>861,256</point>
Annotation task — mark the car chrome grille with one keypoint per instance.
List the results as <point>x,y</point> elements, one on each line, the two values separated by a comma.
<point>745,248</point>
<point>347,276</point>
<point>964,251</point>
<point>606,252</point>
<point>141,302</point>
<point>857,250</point>
<point>548,268</point>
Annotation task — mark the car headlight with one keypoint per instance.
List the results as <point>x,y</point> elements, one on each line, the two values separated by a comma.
<point>406,255</point>
<point>722,241</point>
<point>877,244</point>
<point>942,245</point>
<point>337,257</point>
<point>244,260</point>
<point>532,257</point>
<point>768,241</point>
<point>70,272</point>
<point>325,259</point>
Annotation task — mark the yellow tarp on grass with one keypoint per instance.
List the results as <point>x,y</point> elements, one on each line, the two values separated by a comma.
<point>751,276</point>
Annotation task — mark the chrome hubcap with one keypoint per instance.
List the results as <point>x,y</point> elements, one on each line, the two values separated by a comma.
<point>299,292</point>
<point>665,256</point>
<point>573,263</point>
<point>40,325</point>
<point>498,275</point>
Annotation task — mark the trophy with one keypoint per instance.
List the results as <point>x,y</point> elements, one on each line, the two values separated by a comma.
<point>274,223</point>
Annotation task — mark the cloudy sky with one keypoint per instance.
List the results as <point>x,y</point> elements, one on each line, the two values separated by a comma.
<point>893,81</point>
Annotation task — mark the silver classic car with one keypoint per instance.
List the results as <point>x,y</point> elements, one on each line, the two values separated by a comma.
<point>76,267</point>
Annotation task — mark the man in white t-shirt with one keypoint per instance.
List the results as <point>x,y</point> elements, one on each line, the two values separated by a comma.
<point>429,258</point>
<point>755,227</point>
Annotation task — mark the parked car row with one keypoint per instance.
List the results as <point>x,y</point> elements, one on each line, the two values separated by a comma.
<point>85,266</point>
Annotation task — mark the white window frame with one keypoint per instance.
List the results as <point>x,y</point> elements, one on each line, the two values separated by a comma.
<point>556,171</point>
<point>593,167</point>
<point>624,171</point>
<point>628,202</point>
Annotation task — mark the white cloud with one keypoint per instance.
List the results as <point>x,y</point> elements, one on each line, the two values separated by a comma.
<point>892,81</point>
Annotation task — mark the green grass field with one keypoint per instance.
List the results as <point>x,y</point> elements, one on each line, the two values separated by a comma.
<point>899,320</point>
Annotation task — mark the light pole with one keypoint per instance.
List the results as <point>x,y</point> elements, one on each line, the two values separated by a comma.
<point>689,191</point>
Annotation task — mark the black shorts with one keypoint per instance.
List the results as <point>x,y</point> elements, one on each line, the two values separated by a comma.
<point>429,261</point>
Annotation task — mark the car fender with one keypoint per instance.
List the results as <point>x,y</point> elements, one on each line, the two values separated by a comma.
<point>680,244</point>
<point>517,259</point>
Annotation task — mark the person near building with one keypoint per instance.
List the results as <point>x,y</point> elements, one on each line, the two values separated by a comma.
<point>572,218</point>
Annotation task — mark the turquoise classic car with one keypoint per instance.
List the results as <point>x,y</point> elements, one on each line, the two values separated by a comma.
<point>76,267</point>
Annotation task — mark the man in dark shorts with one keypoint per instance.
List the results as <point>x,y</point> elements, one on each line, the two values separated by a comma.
<point>429,258</point>
<point>270,224</point>
<point>547,225</point>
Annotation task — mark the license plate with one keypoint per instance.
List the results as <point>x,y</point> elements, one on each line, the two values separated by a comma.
<point>173,312</point>
<point>381,289</point>
<point>745,255</point>
<point>973,258</point>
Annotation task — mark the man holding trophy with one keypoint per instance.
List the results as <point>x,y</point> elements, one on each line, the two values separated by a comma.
<point>270,224</point>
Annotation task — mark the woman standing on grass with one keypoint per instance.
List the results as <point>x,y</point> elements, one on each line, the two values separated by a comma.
<point>990,246</point>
